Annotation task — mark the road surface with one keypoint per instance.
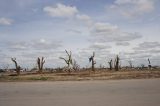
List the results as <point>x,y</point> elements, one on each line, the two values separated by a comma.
<point>81,93</point>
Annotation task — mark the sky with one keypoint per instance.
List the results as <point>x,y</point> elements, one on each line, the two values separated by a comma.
<point>36,28</point>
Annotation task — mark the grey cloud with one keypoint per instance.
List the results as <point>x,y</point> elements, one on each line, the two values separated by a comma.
<point>138,54</point>
<point>148,47</point>
<point>132,8</point>
<point>28,58</point>
<point>154,51</point>
<point>99,46</point>
<point>103,32</point>
<point>122,43</point>
<point>41,44</point>
<point>5,21</point>
<point>75,31</point>
<point>145,50</point>
<point>142,56</point>
<point>17,45</point>
<point>134,53</point>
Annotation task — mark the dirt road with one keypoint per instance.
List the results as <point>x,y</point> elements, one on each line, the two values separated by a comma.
<point>83,93</point>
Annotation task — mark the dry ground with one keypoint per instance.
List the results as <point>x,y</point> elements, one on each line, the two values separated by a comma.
<point>83,75</point>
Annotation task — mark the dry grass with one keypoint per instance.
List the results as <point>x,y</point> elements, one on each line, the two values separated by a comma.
<point>84,75</point>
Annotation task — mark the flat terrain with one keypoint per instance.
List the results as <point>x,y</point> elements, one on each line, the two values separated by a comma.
<point>137,92</point>
<point>81,75</point>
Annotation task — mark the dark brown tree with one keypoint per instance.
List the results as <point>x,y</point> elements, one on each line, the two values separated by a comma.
<point>110,64</point>
<point>16,65</point>
<point>91,59</point>
<point>116,63</point>
<point>40,63</point>
<point>149,64</point>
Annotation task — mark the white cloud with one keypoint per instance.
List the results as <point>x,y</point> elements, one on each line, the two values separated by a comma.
<point>133,8</point>
<point>60,10</point>
<point>85,18</point>
<point>6,21</point>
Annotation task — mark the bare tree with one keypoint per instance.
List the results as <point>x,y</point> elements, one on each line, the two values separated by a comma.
<point>40,63</point>
<point>6,67</point>
<point>76,67</point>
<point>110,64</point>
<point>116,63</point>
<point>68,61</point>
<point>130,63</point>
<point>16,65</point>
<point>91,59</point>
<point>149,64</point>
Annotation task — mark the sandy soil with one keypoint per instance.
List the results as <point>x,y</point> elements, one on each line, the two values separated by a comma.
<point>139,92</point>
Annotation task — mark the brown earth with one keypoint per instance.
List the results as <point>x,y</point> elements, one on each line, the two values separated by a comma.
<point>83,75</point>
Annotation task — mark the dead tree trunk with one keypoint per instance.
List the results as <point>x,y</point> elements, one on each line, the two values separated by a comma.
<point>117,63</point>
<point>110,64</point>
<point>149,64</point>
<point>16,65</point>
<point>91,59</point>
<point>40,63</point>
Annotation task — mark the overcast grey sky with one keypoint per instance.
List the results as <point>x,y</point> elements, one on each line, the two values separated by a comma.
<point>32,28</point>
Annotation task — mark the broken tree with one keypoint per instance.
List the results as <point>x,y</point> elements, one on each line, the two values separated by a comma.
<point>68,61</point>
<point>40,63</point>
<point>149,64</point>
<point>16,65</point>
<point>110,64</point>
<point>91,59</point>
<point>116,63</point>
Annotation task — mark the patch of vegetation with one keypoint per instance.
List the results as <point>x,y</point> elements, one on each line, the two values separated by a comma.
<point>39,78</point>
<point>13,78</point>
<point>2,76</point>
